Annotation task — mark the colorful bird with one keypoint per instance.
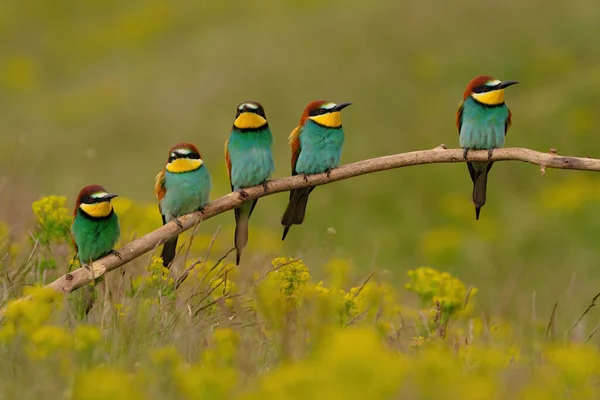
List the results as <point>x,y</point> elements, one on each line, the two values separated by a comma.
<point>95,226</point>
<point>249,162</point>
<point>316,147</point>
<point>482,120</point>
<point>182,187</point>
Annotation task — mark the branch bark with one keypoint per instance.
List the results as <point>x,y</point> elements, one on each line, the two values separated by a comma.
<point>82,276</point>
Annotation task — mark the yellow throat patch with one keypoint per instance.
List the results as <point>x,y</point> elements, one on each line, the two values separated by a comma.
<point>492,98</point>
<point>97,210</point>
<point>248,120</point>
<point>183,165</point>
<point>330,120</point>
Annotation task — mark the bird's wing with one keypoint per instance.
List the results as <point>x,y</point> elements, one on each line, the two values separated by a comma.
<point>295,145</point>
<point>73,237</point>
<point>228,162</point>
<point>159,185</point>
<point>508,122</point>
<point>459,113</point>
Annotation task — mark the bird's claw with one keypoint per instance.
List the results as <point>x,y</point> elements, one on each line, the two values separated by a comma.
<point>305,177</point>
<point>243,194</point>
<point>177,222</point>
<point>465,152</point>
<point>202,210</point>
<point>328,173</point>
<point>490,153</point>
<point>265,186</point>
<point>116,253</point>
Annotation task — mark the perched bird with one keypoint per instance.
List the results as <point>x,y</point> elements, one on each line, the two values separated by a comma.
<point>316,147</point>
<point>95,226</point>
<point>249,162</point>
<point>182,187</point>
<point>482,120</point>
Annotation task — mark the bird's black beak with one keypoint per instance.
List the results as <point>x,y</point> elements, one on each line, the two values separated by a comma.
<point>341,106</point>
<point>505,84</point>
<point>109,196</point>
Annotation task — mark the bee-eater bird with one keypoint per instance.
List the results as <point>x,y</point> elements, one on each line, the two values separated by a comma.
<point>182,187</point>
<point>482,120</point>
<point>95,226</point>
<point>249,162</point>
<point>316,147</point>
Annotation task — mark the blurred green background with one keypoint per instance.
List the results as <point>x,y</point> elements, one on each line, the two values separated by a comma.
<point>97,92</point>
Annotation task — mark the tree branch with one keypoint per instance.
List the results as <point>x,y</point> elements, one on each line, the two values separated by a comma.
<point>82,276</point>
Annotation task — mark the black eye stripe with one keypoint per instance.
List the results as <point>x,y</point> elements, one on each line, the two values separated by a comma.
<point>318,111</point>
<point>483,89</point>
<point>259,111</point>
<point>192,156</point>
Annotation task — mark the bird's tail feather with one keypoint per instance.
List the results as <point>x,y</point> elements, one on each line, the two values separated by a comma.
<point>479,174</point>
<point>296,209</point>
<point>168,251</point>
<point>169,248</point>
<point>242,216</point>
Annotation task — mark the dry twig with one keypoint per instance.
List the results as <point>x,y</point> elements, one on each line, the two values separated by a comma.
<point>587,310</point>
<point>550,330</point>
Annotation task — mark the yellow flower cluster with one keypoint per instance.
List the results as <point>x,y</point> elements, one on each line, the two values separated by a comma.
<point>439,288</point>
<point>28,325</point>
<point>223,349</point>
<point>418,341</point>
<point>104,383</point>
<point>157,279</point>
<point>291,274</point>
<point>52,220</point>
<point>48,339</point>
<point>29,313</point>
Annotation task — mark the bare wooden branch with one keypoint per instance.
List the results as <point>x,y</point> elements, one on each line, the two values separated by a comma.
<point>82,276</point>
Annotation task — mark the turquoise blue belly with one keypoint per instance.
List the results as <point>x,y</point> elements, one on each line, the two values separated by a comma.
<point>251,158</point>
<point>321,149</point>
<point>483,127</point>
<point>185,192</point>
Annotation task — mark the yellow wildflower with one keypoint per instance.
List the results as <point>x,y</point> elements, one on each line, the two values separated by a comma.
<point>48,340</point>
